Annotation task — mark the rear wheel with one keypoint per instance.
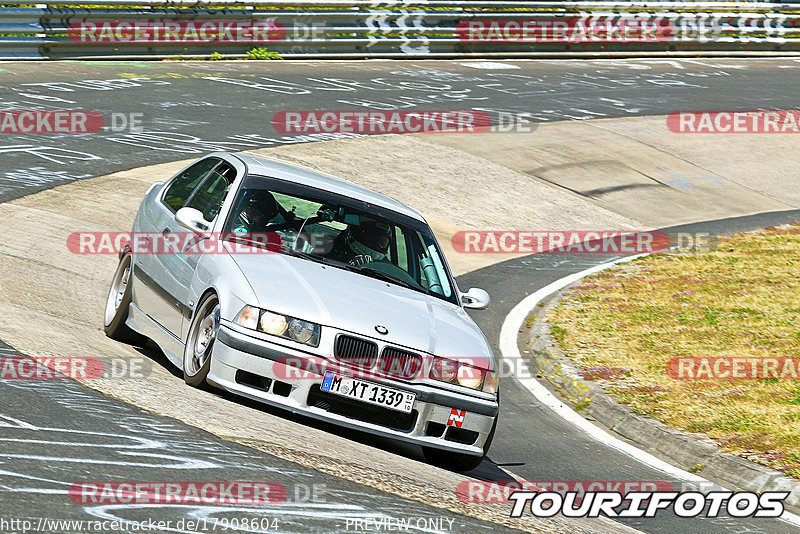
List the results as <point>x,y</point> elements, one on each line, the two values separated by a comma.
<point>460,462</point>
<point>200,342</point>
<point>118,303</point>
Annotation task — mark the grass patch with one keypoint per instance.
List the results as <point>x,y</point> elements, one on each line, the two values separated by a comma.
<point>621,327</point>
<point>583,404</point>
<point>262,53</point>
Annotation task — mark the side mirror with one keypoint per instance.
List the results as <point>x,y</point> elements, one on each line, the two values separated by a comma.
<point>191,219</point>
<point>476,299</point>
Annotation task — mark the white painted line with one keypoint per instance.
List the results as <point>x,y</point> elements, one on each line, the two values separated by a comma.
<point>489,65</point>
<point>508,348</point>
<point>7,421</point>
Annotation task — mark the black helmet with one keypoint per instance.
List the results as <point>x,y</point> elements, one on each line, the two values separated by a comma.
<point>260,202</point>
<point>374,235</point>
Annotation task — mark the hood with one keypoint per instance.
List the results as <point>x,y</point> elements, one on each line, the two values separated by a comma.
<point>356,303</point>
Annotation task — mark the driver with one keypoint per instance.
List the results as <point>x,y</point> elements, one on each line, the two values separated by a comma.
<point>259,211</point>
<point>366,242</point>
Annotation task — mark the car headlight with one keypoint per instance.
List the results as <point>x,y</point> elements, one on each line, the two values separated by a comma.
<point>280,325</point>
<point>463,374</point>
<point>490,382</point>
<point>248,317</point>
<point>470,377</point>
<point>303,331</point>
<point>272,323</point>
<point>443,369</point>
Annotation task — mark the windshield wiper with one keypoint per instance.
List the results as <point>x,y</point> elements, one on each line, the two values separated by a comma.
<point>305,255</point>
<point>380,275</point>
<point>319,259</point>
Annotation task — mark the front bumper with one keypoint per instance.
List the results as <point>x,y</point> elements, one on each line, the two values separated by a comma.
<point>255,368</point>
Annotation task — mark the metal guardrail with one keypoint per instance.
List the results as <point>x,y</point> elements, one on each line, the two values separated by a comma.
<point>124,29</point>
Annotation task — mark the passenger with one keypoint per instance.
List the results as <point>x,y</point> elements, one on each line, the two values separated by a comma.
<point>259,210</point>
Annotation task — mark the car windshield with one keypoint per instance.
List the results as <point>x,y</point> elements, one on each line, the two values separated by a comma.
<point>343,232</point>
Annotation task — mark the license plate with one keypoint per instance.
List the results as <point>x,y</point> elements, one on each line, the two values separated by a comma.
<point>369,392</point>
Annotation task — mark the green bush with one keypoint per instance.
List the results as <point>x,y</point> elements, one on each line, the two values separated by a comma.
<point>262,53</point>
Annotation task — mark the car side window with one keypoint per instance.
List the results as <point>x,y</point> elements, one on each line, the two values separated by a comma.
<point>181,188</point>
<point>209,196</point>
<point>401,259</point>
<point>432,273</point>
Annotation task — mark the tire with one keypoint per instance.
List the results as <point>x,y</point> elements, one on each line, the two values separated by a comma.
<point>118,304</point>
<point>200,342</point>
<point>460,462</point>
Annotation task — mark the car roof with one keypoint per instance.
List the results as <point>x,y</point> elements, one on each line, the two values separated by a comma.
<point>260,165</point>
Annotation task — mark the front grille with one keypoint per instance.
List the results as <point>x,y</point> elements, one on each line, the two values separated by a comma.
<point>356,351</point>
<point>361,411</point>
<point>399,363</point>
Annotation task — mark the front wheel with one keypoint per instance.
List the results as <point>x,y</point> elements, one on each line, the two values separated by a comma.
<point>118,303</point>
<point>200,342</point>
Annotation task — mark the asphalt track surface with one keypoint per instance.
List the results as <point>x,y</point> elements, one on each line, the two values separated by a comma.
<point>190,109</point>
<point>56,433</point>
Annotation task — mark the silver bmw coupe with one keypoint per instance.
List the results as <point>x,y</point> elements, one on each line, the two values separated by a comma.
<point>313,294</point>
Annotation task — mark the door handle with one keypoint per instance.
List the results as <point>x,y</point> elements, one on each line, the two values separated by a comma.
<point>166,231</point>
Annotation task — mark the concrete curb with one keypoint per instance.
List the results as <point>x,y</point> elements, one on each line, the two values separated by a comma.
<point>679,448</point>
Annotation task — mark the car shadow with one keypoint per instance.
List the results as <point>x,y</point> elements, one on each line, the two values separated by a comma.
<point>487,470</point>
<point>153,352</point>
